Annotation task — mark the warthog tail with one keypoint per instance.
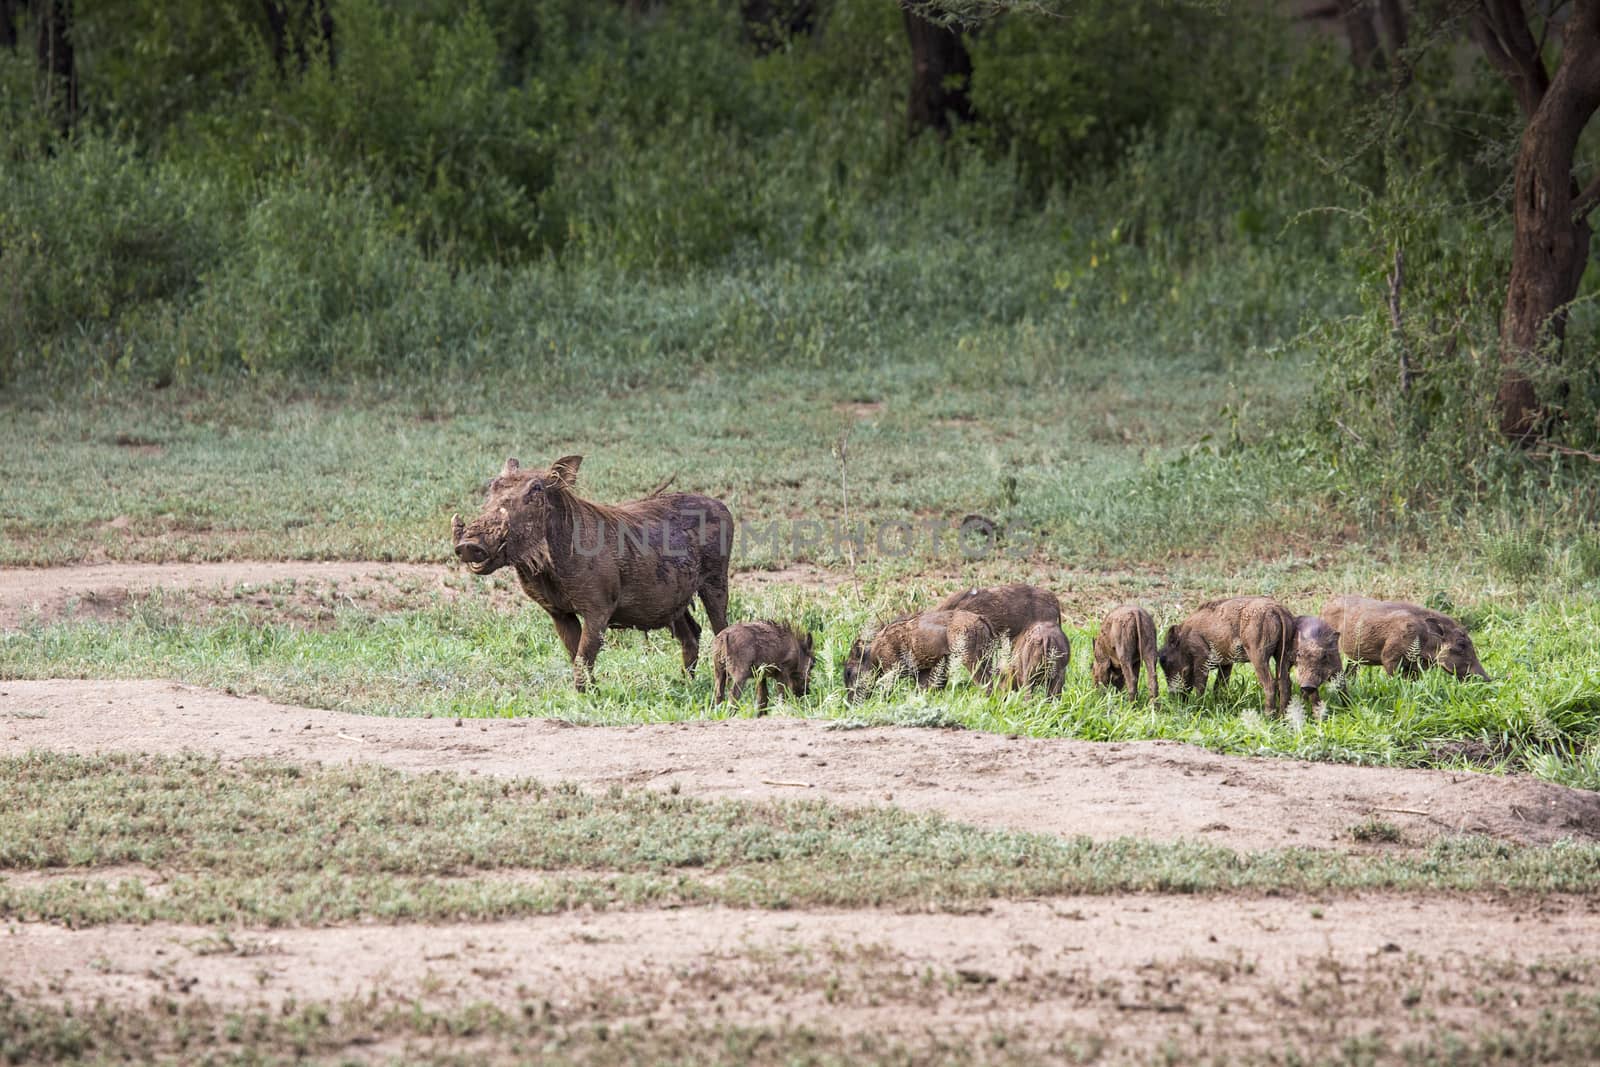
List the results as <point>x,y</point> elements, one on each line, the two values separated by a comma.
<point>1286,641</point>
<point>1147,653</point>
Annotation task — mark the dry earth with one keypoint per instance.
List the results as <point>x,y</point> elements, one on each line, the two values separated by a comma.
<point>1160,790</point>
<point>1132,971</point>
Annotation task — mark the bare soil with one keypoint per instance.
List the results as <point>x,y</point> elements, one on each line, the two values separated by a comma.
<point>1150,789</point>
<point>1130,971</point>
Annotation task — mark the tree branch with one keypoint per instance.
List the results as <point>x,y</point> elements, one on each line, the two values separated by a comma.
<point>1501,30</point>
<point>1553,450</point>
<point>1587,200</point>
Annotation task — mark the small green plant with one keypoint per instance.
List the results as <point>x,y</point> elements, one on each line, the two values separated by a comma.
<point>1375,831</point>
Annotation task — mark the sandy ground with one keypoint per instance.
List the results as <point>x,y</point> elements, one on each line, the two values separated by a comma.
<point>1153,789</point>
<point>1131,969</point>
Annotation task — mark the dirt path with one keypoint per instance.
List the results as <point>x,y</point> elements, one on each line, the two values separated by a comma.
<point>1153,789</point>
<point>1130,970</point>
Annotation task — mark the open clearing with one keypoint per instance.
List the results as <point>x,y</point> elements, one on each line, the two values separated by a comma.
<point>1155,790</point>
<point>1103,978</point>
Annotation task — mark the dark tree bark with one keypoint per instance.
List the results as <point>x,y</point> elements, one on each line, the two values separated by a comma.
<point>1550,245</point>
<point>1362,20</point>
<point>769,23</point>
<point>8,24</point>
<point>58,67</point>
<point>1358,29</point>
<point>941,74</point>
<point>292,36</point>
<point>1392,17</point>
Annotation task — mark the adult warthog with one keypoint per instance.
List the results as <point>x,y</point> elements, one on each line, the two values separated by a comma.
<point>636,566</point>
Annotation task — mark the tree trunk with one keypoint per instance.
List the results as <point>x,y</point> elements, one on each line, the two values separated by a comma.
<point>941,73</point>
<point>58,68</point>
<point>1357,19</point>
<point>1392,16</point>
<point>1550,247</point>
<point>8,24</point>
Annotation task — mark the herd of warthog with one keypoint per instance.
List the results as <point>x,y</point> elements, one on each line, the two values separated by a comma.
<point>640,565</point>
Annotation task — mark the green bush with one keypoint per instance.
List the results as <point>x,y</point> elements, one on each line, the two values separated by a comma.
<point>95,234</point>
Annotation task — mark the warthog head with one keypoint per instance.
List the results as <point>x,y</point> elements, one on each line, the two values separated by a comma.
<point>511,526</point>
<point>1180,664</point>
<point>1457,655</point>
<point>1316,656</point>
<point>857,667</point>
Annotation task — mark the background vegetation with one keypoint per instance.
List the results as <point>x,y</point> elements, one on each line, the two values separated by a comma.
<point>588,198</point>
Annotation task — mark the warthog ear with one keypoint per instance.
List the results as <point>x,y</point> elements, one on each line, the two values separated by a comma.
<point>808,641</point>
<point>1172,635</point>
<point>564,471</point>
<point>511,467</point>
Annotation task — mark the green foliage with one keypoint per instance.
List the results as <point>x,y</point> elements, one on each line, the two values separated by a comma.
<point>97,236</point>
<point>1374,830</point>
<point>1066,94</point>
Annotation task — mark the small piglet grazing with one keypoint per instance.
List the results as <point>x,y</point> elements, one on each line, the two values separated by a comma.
<point>1316,660</point>
<point>1008,609</point>
<point>1127,639</point>
<point>921,646</point>
<point>1220,633</point>
<point>1402,637</point>
<point>1039,658</point>
<point>761,650</point>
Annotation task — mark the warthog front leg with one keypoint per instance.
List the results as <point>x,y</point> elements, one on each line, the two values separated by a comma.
<point>687,631</point>
<point>569,629</point>
<point>594,634</point>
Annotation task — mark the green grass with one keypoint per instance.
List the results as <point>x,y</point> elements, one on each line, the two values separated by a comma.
<point>414,653</point>
<point>370,474</point>
<point>277,844</point>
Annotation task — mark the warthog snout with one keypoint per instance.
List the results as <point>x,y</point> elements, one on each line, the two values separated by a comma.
<point>468,551</point>
<point>479,545</point>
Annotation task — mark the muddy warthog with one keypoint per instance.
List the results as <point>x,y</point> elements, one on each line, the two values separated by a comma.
<point>1316,660</point>
<point>1008,609</point>
<point>1374,632</point>
<point>1127,639</point>
<point>761,649</point>
<point>592,566</point>
<point>1220,633</point>
<point>1039,658</point>
<point>921,646</point>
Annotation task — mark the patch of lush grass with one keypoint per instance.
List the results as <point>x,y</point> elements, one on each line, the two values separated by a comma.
<point>279,844</point>
<point>477,657</point>
<point>1061,445</point>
